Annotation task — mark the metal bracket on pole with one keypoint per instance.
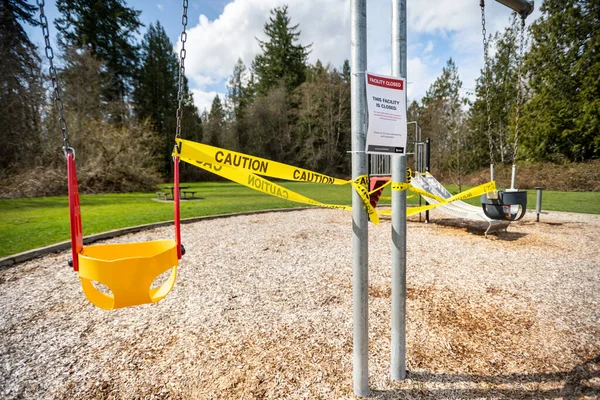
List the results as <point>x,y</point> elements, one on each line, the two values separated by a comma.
<point>521,7</point>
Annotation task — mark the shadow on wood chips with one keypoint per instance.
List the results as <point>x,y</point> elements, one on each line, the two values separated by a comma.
<point>477,228</point>
<point>579,382</point>
<point>463,346</point>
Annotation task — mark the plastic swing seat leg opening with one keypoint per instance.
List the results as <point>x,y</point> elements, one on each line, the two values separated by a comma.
<point>509,206</point>
<point>128,271</point>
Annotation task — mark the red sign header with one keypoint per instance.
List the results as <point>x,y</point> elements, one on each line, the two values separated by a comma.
<point>385,82</point>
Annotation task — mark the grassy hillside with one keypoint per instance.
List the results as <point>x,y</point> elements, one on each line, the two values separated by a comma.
<point>573,177</point>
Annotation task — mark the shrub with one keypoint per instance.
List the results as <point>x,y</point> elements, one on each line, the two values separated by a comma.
<point>109,159</point>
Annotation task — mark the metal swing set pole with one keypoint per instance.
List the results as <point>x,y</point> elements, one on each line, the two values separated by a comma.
<point>398,296</point>
<point>359,215</point>
<point>360,233</point>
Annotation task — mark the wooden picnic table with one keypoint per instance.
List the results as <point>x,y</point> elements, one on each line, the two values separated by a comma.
<point>172,189</point>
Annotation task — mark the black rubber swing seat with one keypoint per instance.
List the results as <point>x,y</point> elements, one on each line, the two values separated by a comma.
<point>509,206</point>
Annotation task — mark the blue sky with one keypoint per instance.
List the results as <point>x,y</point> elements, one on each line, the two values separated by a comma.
<point>222,31</point>
<point>168,12</point>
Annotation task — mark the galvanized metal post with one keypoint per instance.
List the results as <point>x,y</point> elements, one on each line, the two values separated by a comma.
<point>398,364</point>
<point>360,233</point>
<point>513,177</point>
<point>427,168</point>
<point>538,203</point>
<point>416,144</point>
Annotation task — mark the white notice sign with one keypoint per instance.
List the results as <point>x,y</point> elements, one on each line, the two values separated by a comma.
<point>386,102</point>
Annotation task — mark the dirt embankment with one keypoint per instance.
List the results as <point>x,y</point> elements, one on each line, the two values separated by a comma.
<point>575,177</point>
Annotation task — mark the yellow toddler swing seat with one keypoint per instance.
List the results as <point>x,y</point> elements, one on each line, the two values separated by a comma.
<point>127,269</point>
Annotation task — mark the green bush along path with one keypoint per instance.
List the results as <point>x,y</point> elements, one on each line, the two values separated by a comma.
<point>29,223</point>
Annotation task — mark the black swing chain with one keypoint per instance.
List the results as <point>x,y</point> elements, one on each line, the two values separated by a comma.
<point>519,88</point>
<point>182,54</point>
<point>487,81</point>
<point>62,124</point>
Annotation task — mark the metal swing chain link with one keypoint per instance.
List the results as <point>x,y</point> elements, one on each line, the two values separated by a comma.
<point>62,124</point>
<point>519,89</point>
<point>487,81</point>
<point>182,54</point>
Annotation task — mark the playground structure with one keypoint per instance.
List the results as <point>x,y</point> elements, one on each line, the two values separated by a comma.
<point>494,206</point>
<point>168,252</point>
<point>379,173</point>
<point>457,209</point>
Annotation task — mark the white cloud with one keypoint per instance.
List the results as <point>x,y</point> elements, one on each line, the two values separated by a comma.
<point>203,80</point>
<point>203,100</point>
<point>419,78</point>
<point>435,29</point>
<point>215,46</point>
<point>429,47</point>
<point>161,7</point>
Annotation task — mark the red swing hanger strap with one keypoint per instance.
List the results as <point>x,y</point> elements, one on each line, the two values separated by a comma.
<point>74,210</point>
<point>180,96</point>
<point>176,205</point>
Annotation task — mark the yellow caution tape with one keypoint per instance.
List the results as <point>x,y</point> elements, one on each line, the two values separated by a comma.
<point>245,170</point>
<point>361,185</point>
<point>425,193</point>
<point>246,178</point>
<point>381,187</point>
<point>400,186</point>
<point>253,181</point>
<point>467,194</point>
<point>255,165</point>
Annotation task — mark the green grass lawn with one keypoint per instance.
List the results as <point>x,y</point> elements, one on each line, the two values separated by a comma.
<point>577,202</point>
<point>29,223</point>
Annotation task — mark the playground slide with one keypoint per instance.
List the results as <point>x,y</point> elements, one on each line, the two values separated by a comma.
<point>457,209</point>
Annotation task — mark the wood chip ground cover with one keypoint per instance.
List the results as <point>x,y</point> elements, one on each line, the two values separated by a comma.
<point>263,309</point>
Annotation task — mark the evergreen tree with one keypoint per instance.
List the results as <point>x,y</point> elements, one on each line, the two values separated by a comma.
<point>191,129</point>
<point>191,124</point>
<point>562,119</point>
<point>413,112</point>
<point>324,121</point>
<point>82,81</point>
<point>238,99</point>
<point>283,60</point>
<point>442,118</point>
<point>20,89</point>
<point>215,126</point>
<point>502,86</point>
<point>270,127</point>
<point>106,29</point>
<point>346,71</point>
<point>155,91</point>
